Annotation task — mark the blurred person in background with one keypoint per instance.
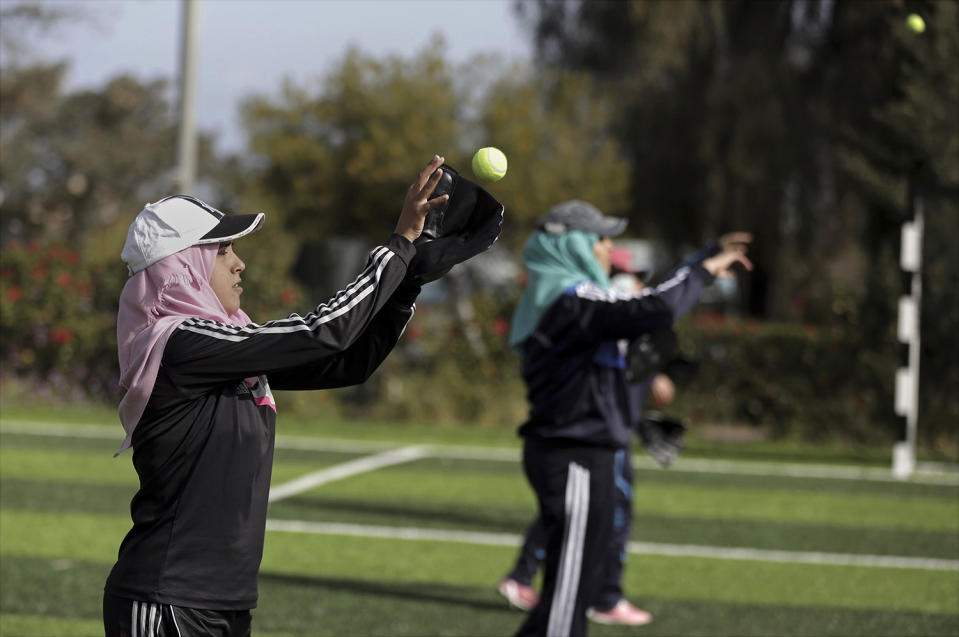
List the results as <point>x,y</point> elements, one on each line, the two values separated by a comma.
<point>610,606</point>
<point>199,410</point>
<point>567,328</point>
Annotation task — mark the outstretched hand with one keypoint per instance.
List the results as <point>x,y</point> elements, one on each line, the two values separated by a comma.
<point>733,246</point>
<point>721,265</point>
<point>416,204</point>
<point>735,241</point>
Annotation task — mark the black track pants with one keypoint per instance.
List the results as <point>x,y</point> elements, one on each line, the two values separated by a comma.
<point>575,489</point>
<point>129,618</point>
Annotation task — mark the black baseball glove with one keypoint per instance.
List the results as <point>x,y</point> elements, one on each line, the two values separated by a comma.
<point>649,354</point>
<point>465,225</point>
<point>661,437</point>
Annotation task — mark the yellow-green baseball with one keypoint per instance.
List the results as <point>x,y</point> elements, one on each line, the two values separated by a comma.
<point>915,23</point>
<point>489,164</point>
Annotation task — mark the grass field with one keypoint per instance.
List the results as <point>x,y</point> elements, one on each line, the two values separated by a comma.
<point>374,542</point>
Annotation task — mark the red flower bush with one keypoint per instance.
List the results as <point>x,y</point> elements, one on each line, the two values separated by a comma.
<point>63,280</point>
<point>54,321</point>
<point>61,336</point>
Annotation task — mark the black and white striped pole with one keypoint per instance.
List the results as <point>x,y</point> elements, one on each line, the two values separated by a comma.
<point>907,377</point>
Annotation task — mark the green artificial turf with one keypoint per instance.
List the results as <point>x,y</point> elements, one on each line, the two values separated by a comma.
<point>64,508</point>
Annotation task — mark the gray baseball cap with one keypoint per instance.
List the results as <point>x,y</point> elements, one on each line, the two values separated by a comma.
<point>579,215</point>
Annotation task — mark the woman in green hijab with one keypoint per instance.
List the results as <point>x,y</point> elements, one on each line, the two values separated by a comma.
<point>568,328</point>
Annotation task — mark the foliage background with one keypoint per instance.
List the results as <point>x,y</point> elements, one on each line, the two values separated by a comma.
<point>804,122</point>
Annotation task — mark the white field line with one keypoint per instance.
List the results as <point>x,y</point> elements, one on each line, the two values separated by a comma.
<point>406,454</point>
<point>345,470</point>
<point>394,533</point>
<point>638,548</point>
<point>801,470</point>
<point>933,474</point>
<point>794,557</point>
<point>58,430</point>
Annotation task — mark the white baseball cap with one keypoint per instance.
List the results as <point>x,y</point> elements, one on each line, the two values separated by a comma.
<point>177,223</point>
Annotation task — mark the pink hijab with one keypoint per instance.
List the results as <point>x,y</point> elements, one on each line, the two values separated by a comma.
<point>153,303</point>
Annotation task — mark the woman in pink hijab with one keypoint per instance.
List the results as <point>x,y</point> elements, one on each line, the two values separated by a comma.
<point>199,413</point>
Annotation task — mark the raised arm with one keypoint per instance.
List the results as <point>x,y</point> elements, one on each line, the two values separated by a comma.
<point>202,352</point>
<point>206,352</point>
<point>609,315</point>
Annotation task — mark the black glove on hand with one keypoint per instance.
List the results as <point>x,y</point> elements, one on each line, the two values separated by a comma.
<point>661,437</point>
<point>467,224</point>
<point>649,353</point>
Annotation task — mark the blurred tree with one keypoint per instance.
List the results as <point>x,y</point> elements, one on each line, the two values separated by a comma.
<point>20,20</point>
<point>76,167</point>
<point>336,163</point>
<point>72,163</point>
<point>339,162</point>
<point>555,131</point>
<point>801,120</point>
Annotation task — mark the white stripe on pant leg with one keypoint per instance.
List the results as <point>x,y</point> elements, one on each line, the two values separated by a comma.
<point>557,606</point>
<point>175,625</point>
<point>578,540</point>
<point>577,509</point>
<point>143,620</point>
<point>152,622</point>
<point>571,574</point>
<point>133,619</point>
<point>560,608</point>
<point>561,619</point>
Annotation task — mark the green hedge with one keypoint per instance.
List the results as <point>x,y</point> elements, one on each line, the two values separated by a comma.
<point>816,384</point>
<point>792,381</point>
<point>799,381</point>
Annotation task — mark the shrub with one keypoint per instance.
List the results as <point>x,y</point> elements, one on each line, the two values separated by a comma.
<point>800,381</point>
<point>58,319</point>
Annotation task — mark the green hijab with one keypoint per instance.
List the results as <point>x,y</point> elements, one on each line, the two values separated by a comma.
<point>554,262</point>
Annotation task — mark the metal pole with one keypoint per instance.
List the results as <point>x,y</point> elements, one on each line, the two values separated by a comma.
<point>186,147</point>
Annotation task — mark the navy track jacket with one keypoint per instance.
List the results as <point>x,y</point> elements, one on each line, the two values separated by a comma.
<point>203,449</point>
<point>574,367</point>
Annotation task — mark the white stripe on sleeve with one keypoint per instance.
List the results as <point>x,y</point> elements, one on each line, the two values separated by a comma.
<point>344,301</point>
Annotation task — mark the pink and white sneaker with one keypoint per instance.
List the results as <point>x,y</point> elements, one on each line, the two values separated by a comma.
<point>519,595</point>
<point>622,613</point>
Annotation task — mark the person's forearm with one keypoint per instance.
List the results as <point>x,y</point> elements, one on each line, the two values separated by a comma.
<point>356,364</point>
<point>683,290</point>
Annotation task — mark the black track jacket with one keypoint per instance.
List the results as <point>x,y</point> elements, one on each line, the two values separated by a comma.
<point>204,447</point>
<point>573,365</point>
